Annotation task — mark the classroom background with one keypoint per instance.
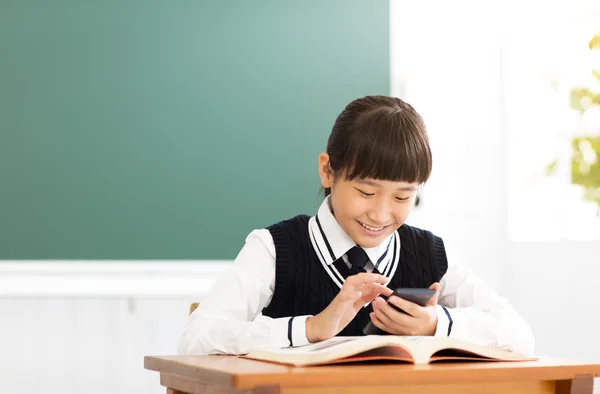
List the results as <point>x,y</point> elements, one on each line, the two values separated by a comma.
<point>141,141</point>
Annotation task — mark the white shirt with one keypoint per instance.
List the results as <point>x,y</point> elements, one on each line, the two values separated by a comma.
<point>229,319</point>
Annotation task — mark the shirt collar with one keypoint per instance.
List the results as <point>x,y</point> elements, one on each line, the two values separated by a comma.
<point>336,242</point>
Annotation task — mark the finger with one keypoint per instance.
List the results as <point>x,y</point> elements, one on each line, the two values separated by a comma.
<point>383,311</point>
<point>383,318</point>
<point>386,291</point>
<point>379,324</point>
<point>365,277</point>
<point>389,325</point>
<point>407,306</point>
<point>364,300</point>
<point>376,288</point>
<point>394,318</point>
<point>434,300</point>
<point>370,292</point>
<point>350,295</point>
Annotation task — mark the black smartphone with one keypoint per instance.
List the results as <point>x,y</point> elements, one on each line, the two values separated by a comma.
<point>418,296</point>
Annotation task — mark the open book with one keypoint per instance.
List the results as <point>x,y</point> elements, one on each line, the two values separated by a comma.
<point>417,350</point>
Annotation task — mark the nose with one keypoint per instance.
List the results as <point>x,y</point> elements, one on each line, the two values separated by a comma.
<point>380,214</point>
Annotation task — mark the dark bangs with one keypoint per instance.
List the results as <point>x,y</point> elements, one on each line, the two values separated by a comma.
<point>381,138</point>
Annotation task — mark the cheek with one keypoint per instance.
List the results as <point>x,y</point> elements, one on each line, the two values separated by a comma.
<point>402,213</point>
<point>359,208</point>
<point>349,213</point>
<point>342,208</point>
<point>350,206</point>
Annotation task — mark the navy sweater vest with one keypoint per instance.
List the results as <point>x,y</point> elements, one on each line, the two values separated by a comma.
<point>303,287</point>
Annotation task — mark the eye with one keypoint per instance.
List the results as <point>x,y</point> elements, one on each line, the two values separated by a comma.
<point>365,193</point>
<point>402,199</point>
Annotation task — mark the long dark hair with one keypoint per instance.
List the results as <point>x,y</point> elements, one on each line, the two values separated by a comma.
<point>380,137</point>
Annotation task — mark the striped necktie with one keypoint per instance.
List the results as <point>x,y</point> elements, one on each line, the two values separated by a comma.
<point>358,259</point>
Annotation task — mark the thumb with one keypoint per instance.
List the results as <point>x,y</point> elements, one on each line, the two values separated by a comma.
<point>434,300</point>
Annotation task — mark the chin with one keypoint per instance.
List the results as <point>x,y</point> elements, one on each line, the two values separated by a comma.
<point>368,242</point>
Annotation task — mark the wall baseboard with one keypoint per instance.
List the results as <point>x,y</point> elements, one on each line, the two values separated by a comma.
<point>110,278</point>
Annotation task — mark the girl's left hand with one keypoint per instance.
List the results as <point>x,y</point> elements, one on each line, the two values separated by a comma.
<point>418,320</point>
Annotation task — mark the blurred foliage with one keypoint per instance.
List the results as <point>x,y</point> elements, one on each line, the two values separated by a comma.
<point>595,42</point>
<point>585,162</point>
<point>585,166</point>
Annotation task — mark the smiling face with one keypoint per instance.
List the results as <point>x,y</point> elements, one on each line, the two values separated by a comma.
<point>377,155</point>
<point>368,210</point>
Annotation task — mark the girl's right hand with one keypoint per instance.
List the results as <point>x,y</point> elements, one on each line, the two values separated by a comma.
<point>358,290</point>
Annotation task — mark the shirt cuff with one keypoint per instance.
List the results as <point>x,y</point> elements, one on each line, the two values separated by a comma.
<point>298,331</point>
<point>279,332</point>
<point>444,321</point>
<point>288,331</point>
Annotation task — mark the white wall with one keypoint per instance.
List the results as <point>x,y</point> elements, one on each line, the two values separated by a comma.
<point>85,345</point>
<point>85,327</point>
<point>555,286</point>
<point>452,66</point>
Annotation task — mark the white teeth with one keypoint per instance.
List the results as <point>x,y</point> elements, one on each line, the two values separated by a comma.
<point>371,228</point>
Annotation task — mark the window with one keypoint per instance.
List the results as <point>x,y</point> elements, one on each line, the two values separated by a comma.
<point>551,158</point>
<point>494,85</point>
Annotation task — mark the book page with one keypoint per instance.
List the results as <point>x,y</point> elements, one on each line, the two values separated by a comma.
<point>444,348</point>
<point>384,352</point>
<point>385,347</point>
<point>315,347</point>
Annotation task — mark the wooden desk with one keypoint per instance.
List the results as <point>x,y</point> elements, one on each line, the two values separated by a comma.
<point>230,374</point>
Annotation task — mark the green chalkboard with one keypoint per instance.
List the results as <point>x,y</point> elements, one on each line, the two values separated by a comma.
<point>147,129</point>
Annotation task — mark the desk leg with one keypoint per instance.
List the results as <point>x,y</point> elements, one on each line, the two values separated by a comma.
<point>582,384</point>
<point>182,385</point>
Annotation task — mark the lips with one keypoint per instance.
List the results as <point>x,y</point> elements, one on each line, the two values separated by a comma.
<point>373,231</point>
<point>371,227</point>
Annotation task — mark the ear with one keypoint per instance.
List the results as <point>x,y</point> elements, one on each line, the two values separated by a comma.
<point>325,170</point>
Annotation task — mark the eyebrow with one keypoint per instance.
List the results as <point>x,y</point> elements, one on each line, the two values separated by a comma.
<point>375,184</point>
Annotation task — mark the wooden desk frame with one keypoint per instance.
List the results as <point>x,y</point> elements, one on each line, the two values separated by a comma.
<point>233,375</point>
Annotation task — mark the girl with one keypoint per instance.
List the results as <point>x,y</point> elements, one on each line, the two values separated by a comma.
<point>307,279</point>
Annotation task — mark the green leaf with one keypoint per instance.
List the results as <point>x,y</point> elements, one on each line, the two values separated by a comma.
<point>585,166</point>
<point>551,168</point>
<point>594,42</point>
<point>583,98</point>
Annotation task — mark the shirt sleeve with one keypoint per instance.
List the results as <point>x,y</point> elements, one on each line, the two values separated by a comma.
<point>471,310</point>
<point>229,320</point>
